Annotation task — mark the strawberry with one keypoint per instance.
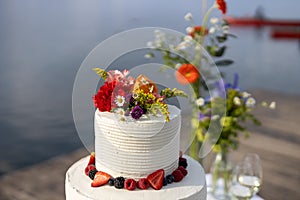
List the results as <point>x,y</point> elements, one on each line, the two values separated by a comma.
<point>89,168</point>
<point>156,179</point>
<point>178,176</point>
<point>183,170</point>
<point>143,184</point>
<point>101,178</point>
<point>130,184</point>
<point>92,160</point>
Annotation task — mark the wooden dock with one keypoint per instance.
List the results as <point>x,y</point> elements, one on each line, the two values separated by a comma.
<point>277,142</point>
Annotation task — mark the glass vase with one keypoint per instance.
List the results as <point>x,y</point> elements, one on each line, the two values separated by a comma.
<point>221,171</point>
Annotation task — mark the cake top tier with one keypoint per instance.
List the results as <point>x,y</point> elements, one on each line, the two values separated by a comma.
<point>138,98</point>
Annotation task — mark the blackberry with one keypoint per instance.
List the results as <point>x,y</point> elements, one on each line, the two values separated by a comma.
<point>92,173</point>
<point>111,182</point>
<point>165,182</point>
<point>170,178</point>
<point>119,182</point>
<point>182,162</point>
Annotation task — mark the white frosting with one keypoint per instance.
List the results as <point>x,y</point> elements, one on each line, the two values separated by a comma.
<point>136,148</point>
<point>192,187</point>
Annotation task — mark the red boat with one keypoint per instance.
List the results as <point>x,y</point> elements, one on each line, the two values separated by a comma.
<point>252,21</point>
<point>285,34</point>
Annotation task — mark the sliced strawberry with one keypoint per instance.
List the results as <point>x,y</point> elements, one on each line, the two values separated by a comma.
<point>89,168</point>
<point>156,179</point>
<point>92,160</point>
<point>143,184</point>
<point>101,178</point>
<point>183,170</point>
<point>178,176</point>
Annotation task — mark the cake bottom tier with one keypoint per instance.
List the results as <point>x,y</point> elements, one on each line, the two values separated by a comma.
<point>192,187</point>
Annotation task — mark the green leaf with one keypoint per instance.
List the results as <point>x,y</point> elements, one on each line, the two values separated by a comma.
<point>101,72</point>
<point>220,51</point>
<point>224,63</point>
<point>232,35</point>
<point>222,38</point>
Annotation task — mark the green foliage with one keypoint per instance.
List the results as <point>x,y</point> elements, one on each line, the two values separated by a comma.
<point>101,72</point>
<point>168,93</point>
<point>237,113</point>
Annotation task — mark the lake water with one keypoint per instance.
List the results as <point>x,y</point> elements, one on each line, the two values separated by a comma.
<point>44,42</point>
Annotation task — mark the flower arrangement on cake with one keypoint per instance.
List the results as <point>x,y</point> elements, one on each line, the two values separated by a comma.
<point>132,99</point>
<point>127,96</point>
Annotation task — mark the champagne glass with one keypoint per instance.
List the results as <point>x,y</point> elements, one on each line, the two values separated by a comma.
<point>251,173</point>
<point>238,191</point>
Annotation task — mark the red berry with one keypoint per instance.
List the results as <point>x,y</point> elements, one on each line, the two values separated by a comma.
<point>130,184</point>
<point>156,179</point>
<point>183,170</point>
<point>101,178</point>
<point>178,176</point>
<point>143,184</point>
<point>92,160</point>
<point>89,168</point>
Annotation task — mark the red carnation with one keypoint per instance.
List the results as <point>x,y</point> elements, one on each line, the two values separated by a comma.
<point>102,99</point>
<point>221,5</point>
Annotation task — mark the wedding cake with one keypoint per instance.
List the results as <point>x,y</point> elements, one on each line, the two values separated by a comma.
<point>136,147</point>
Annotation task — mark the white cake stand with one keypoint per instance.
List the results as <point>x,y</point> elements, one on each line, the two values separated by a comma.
<point>192,187</point>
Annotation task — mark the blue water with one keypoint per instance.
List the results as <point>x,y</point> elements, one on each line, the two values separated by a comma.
<point>43,42</point>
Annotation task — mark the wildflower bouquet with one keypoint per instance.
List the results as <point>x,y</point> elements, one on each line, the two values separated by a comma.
<point>127,96</point>
<point>238,105</point>
<point>192,65</point>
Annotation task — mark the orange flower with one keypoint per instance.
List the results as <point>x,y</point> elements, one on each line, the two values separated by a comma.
<point>187,73</point>
<point>197,30</point>
<point>221,5</point>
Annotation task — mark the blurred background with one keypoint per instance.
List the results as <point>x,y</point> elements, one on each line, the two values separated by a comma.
<point>43,42</point>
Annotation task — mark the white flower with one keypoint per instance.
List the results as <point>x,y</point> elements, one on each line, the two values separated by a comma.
<point>135,95</point>
<point>215,117</point>
<point>188,38</point>
<point>189,29</point>
<point>245,95</point>
<point>197,47</point>
<point>150,44</point>
<point>188,16</point>
<point>148,56</point>
<point>225,29</point>
<point>272,105</point>
<point>212,30</point>
<point>237,101</point>
<point>214,20</point>
<point>120,100</point>
<point>200,102</point>
<point>120,111</point>
<point>181,46</point>
<point>250,102</point>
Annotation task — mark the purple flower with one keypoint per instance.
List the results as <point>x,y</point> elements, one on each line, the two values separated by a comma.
<point>201,116</point>
<point>136,112</point>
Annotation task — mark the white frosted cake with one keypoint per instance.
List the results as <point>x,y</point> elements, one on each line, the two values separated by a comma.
<point>137,144</point>
<point>135,148</point>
